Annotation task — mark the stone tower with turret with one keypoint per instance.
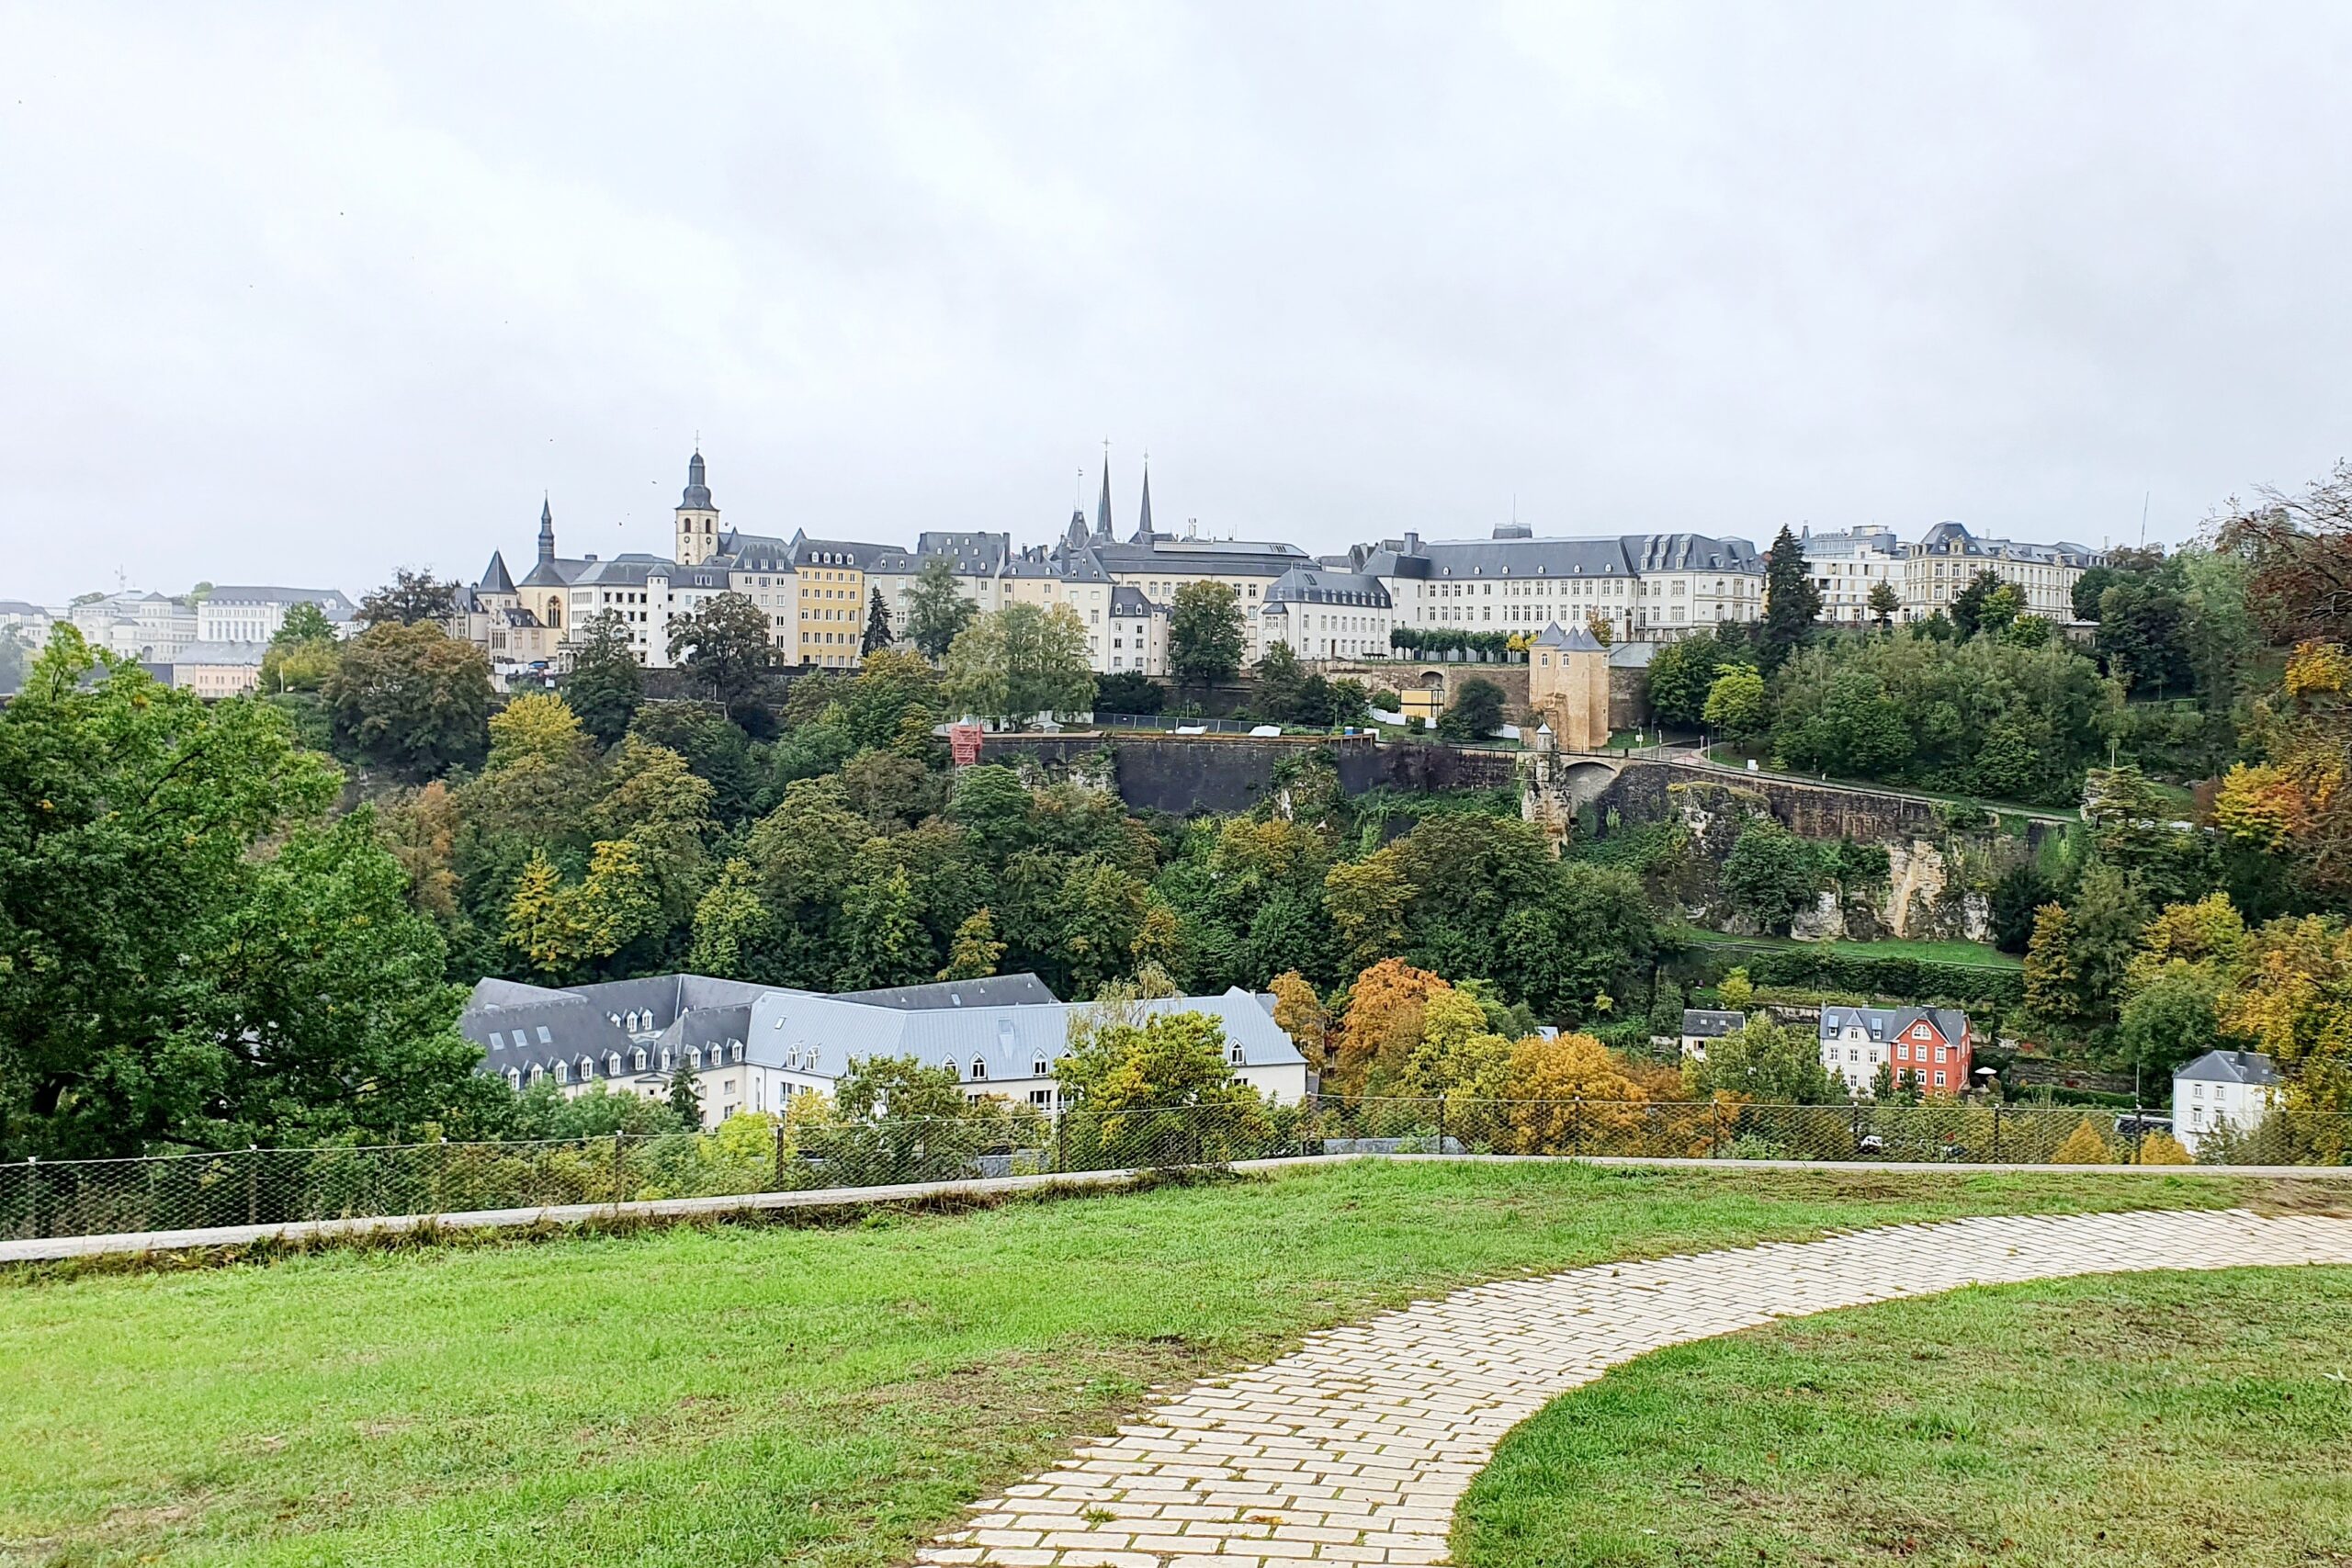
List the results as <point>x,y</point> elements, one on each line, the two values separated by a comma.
<point>698,518</point>
<point>1568,685</point>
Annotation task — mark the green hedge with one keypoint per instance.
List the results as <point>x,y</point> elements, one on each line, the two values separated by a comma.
<point>1845,969</point>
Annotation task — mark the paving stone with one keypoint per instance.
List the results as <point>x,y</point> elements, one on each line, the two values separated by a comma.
<point>1354,1449</point>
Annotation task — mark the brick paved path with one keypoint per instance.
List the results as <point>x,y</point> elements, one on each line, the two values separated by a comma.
<point>1355,1448</point>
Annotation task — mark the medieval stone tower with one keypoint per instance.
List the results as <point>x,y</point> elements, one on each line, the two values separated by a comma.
<point>1568,685</point>
<point>698,518</point>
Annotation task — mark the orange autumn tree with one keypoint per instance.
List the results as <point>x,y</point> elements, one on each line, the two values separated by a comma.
<point>1548,1077</point>
<point>1382,1027</point>
<point>2296,802</point>
<point>1300,1013</point>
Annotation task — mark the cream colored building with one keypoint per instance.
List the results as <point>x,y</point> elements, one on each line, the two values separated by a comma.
<point>1939,568</point>
<point>216,670</point>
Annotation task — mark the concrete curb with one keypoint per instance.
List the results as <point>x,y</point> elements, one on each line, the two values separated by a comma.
<point>58,1248</point>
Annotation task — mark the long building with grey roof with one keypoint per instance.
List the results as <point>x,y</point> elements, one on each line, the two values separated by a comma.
<point>1648,587</point>
<point>751,1048</point>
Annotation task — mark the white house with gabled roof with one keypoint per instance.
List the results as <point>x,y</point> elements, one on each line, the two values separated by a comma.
<point>2236,1087</point>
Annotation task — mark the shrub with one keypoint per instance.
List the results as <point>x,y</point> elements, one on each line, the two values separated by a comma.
<point>2083,1146</point>
<point>2162,1148</point>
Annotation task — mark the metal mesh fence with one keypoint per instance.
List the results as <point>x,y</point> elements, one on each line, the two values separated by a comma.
<point>275,1186</point>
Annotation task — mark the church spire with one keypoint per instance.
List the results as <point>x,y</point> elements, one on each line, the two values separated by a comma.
<point>546,532</point>
<point>1143,518</point>
<point>698,496</point>
<point>1102,507</point>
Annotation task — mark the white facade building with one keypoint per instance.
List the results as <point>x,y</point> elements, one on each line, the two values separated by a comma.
<point>751,1048</point>
<point>1644,587</point>
<point>2236,1087</point>
<point>1845,567</point>
<point>135,624</point>
<point>1323,614</point>
<point>238,613</point>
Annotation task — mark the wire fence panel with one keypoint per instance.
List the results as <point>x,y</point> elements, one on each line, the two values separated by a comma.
<point>276,1186</point>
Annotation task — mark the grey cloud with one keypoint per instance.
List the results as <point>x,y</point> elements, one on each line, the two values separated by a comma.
<point>296,293</point>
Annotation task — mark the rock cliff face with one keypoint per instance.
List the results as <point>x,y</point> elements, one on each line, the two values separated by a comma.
<point>1936,877</point>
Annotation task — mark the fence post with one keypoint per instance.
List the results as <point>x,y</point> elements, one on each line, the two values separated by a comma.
<point>1441,1124</point>
<point>620,1166</point>
<point>777,1183</point>
<point>253,1184</point>
<point>32,1193</point>
<point>1996,1132</point>
<point>1061,1140</point>
<point>1714,1130</point>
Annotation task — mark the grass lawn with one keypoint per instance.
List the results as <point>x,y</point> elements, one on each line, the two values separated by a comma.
<point>1949,950</point>
<point>2152,1419</point>
<point>744,1394</point>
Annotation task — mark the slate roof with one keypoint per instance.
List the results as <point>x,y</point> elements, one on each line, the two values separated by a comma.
<point>631,570</point>
<point>806,551</point>
<point>234,654</point>
<point>971,554</point>
<point>493,576</point>
<point>1888,1023</point>
<point>1574,639</point>
<point>331,600</point>
<point>1318,585</point>
<point>1220,558</point>
<point>997,991</point>
<point>1130,603</point>
<point>752,552</point>
<point>1948,538</point>
<point>1710,1023</point>
<point>1616,556</point>
<point>2231,1067</point>
<point>1005,1024</point>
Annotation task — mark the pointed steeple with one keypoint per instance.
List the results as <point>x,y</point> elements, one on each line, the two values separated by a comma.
<point>698,496</point>
<point>1102,507</point>
<point>493,576</point>
<point>546,532</point>
<point>1142,519</point>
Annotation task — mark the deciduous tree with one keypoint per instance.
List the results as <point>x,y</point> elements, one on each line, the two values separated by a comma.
<point>1204,633</point>
<point>725,643</point>
<point>1015,663</point>
<point>937,608</point>
<point>412,698</point>
<point>410,598</point>
<point>607,683</point>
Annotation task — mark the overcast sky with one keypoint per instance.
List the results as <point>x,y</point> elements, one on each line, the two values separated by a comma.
<point>302,294</point>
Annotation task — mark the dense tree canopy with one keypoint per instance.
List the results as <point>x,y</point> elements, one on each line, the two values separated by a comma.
<point>411,697</point>
<point>1204,633</point>
<point>190,955</point>
<point>410,598</point>
<point>937,608</point>
<point>1015,663</point>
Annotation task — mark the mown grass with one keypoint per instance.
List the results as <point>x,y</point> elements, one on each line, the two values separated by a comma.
<point>752,1395</point>
<point>2109,1422</point>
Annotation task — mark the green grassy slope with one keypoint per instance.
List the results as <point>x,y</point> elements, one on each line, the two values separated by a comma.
<point>2147,1420</point>
<point>746,1395</point>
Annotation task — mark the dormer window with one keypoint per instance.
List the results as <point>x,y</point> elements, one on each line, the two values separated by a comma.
<point>1037,1067</point>
<point>562,1072</point>
<point>641,1058</point>
<point>1233,1053</point>
<point>980,1068</point>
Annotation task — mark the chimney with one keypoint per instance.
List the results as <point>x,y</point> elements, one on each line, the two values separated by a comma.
<point>1412,543</point>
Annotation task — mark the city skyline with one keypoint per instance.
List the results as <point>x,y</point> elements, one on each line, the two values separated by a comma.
<point>361,289</point>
